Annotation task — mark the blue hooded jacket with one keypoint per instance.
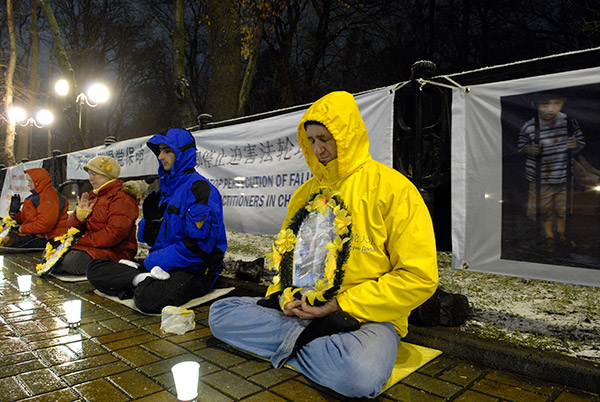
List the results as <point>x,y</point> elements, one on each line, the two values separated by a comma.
<point>192,234</point>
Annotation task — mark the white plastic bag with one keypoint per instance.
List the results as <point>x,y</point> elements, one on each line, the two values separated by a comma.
<point>177,320</point>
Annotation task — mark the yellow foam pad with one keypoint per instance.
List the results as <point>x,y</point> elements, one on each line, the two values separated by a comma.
<point>409,358</point>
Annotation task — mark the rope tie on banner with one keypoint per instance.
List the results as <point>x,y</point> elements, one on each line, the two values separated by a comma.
<point>424,82</point>
<point>399,86</point>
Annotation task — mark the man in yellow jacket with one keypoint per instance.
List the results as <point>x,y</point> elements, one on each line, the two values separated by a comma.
<point>356,254</point>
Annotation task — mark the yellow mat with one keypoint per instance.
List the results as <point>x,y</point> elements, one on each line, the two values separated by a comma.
<point>213,294</point>
<point>409,358</point>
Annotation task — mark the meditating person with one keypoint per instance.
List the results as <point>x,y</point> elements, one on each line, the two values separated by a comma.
<point>183,224</point>
<point>41,216</point>
<point>355,255</point>
<point>105,217</point>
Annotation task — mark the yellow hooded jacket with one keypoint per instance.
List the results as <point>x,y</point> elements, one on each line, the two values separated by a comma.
<point>392,266</point>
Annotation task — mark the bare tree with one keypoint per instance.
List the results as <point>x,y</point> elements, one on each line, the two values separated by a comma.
<point>185,115</point>
<point>9,142</point>
<point>224,53</point>
<point>67,70</point>
<point>253,15</point>
<point>24,140</point>
<point>236,57</point>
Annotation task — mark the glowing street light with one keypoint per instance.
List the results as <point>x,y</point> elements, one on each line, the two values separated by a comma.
<point>97,93</point>
<point>18,115</point>
<point>62,87</point>
<point>45,117</point>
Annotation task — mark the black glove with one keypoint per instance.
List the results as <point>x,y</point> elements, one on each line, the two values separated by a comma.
<point>15,204</point>
<point>271,302</point>
<point>334,323</point>
<point>151,209</point>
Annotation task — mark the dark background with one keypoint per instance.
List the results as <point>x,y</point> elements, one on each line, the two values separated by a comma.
<point>307,48</point>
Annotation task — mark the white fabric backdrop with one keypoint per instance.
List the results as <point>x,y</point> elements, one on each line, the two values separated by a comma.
<point>477,178</point>
<point>256,165</point>
<point>16,183</point>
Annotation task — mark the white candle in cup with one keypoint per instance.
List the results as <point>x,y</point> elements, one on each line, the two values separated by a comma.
<point>73,312</point>
<point>185,375</point>
<point>24,282</point>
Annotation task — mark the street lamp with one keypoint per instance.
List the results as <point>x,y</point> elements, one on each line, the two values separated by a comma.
<point>18,115</point>
<point>97,93</point>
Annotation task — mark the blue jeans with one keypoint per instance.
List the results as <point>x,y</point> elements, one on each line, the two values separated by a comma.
<point>354,364</point>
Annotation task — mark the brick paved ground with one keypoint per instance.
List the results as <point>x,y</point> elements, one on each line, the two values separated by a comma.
<point>120,355</point>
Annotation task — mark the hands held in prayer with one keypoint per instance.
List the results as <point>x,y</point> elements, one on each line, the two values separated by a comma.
<point>302,309</point>
<point>84,202</point>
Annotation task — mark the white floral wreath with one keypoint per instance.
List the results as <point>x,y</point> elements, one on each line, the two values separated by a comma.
<point>52,255</point>
<point>338,250</point>
<point>7,224</point>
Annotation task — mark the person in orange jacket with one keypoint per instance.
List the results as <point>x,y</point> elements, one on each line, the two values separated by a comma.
<point>106,218</point>
<point>42,216</point>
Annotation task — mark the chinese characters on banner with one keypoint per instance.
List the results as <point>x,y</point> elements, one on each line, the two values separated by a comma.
<point>255,165</point>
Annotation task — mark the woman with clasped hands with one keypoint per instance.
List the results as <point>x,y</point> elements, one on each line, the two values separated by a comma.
<point>105,217</point>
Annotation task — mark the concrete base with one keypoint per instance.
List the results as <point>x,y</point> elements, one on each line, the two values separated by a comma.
<point>543,365</point>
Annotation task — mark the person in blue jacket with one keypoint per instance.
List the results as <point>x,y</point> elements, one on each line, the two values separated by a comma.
<point>184,227</point>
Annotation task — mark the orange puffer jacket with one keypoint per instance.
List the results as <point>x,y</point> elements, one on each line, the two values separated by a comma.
<point>109,231</point>
<point>44,212</point>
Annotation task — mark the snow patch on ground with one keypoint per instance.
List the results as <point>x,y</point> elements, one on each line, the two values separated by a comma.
<point>524,312</point>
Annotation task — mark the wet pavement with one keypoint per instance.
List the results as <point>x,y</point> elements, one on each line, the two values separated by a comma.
<point>118,354</point>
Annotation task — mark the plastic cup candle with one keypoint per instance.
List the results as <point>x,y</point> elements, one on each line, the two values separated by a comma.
<point>73,312</point>
<point>24,282</point>
<point>185,375</point>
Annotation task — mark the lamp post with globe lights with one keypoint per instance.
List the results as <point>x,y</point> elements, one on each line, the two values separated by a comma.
<point>97,93</point>
<point>18,116</point>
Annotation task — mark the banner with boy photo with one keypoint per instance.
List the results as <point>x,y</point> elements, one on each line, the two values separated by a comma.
<point>526,177</point>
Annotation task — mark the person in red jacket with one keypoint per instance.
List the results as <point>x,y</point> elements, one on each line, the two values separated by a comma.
<point>42,216</point>
<point>106,218</point>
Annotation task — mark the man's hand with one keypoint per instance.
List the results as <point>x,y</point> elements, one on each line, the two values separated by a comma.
<point>150,207</point>
<point>15,204</point>
<point>84,202</point>
<point>302,309</point>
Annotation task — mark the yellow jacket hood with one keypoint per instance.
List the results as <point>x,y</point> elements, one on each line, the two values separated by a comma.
<point>339,113</point>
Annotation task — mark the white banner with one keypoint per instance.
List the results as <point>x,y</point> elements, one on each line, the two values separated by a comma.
<point>134,157</point>
<point>256,166</point>
<point>16,183</point>
<point>491,229</point>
